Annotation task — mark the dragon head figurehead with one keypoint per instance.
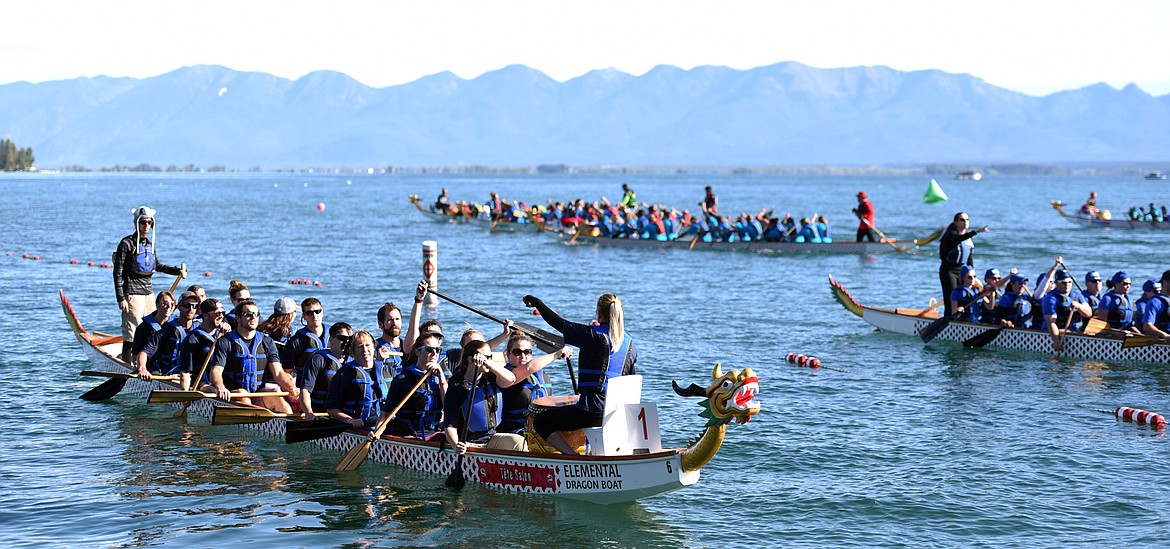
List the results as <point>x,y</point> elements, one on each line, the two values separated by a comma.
<point>730,396</point>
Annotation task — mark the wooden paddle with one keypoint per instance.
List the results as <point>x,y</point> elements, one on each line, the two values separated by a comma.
<point>883,236</point>
<point>357,455</point>
<point>1134,341</point>
<point>239,415</point>
<point>313,429</point>
<point>545,341</point>
<point>158,396</point>
<point>1094,326</point>
<point>931,331</point>
<point>455,480</point>
<point>124,375</point>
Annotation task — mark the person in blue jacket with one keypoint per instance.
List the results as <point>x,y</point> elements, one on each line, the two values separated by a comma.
<point>1115,307</point>
<point>1014,310</point>
<point>474,403</point>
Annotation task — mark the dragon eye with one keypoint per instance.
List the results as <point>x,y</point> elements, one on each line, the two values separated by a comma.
<point>726,384</point>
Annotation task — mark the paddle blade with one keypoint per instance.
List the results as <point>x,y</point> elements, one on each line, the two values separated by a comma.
<point>354,457</point>
<point>106,390</point>
<point>1132,342</point>
<point>306,430</point>
<point>1094,326</point>
<point>455,480</point>
<point>545,340</point>
<point>233,415</point>
<point>162,396</point>
<point>932,330</point>
<point>982,339</point>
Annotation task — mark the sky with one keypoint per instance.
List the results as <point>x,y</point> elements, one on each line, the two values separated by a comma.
<point>1032,46</point>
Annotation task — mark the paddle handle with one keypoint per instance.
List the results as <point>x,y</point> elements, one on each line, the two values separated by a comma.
<point>124,375</point>
<point>206,360</point>
<point>377,432</point>
<point>175,284</point>
<point>572,375</point>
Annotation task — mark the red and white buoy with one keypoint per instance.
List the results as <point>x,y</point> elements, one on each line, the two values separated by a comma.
<point>1139,416</point>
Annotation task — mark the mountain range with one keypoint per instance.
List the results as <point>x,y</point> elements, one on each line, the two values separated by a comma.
<point>782,114</point>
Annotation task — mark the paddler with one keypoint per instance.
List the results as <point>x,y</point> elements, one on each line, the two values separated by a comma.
<point>323,364</point>
<point>525,387</point>
<point>160,354</point>
<point>149,325</point>
<point>1014,309</point>
<point>198,344</point>
<point>1150,289</point>
<point>419,416</point>
<point>390,341</point>
<point>243,356</point>
<point>1061,307</point>
<point>1115,307</point>
<point>607,351</point>
<point>356,392</point>
<point>864,212</point>
<point>478,405</point>
<point>963,297</point>
<point>311,336</point>
<point>1156,320</point>
<point>135,261</point>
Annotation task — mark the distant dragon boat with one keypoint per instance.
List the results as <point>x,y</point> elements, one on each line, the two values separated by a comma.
<point>626,463</point>
<point>1105,221</point>
<point>462,212</point>
<point>1096,348</point>
<point>589,236</point>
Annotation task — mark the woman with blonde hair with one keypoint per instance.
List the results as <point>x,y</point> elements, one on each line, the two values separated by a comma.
<point>606,351</point>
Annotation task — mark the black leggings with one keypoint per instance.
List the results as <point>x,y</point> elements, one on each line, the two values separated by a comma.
<point>949,278</point>
<point>563,418</point>
<point>865,233</point>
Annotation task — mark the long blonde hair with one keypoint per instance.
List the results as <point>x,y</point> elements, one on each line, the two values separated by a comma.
<point>609,311</point>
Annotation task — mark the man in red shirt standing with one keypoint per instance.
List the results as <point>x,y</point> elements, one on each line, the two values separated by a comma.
<point>864,213</point>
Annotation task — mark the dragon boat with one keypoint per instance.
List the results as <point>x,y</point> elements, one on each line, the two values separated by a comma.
<point>462,212</point>
<point>1105,221</point>
<point>1098,348</point>
<point>626,460</point>
<point>590,236</point>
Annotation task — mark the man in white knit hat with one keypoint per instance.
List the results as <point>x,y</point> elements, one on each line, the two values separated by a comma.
<point>134,263</point>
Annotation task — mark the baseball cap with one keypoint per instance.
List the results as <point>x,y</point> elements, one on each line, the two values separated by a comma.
<point>862,195</point>
<point>1092,275</point>
<point>1018,279</point>
<point>208,305</point>
<point>990,273</point>
<point>1119,276</point>
<point>1063,275</point>
<point>284,306</point>
<point>966,270</point>
<point>1151,286</point>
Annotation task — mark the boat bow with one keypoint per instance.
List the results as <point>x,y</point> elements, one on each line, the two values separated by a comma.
<point>730,396</point>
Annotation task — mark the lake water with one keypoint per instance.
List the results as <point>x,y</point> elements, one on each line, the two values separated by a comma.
<point>899,444</point>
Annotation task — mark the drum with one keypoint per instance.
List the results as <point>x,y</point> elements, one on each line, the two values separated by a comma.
<point>544,403</point>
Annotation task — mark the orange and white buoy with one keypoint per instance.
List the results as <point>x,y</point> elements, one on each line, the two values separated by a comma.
<point>1139,416</point>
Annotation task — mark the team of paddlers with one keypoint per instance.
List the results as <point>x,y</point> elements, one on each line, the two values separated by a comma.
<point>628,218</point>
<point>1059,305</point>
<point>351,375</point>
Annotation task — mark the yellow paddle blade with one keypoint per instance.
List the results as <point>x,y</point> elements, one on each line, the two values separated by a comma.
<point>354,457</point>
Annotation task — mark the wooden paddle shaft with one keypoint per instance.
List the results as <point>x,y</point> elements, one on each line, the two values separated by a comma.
<point>386,422</point>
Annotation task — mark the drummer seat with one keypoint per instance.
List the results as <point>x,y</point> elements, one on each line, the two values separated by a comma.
<point>623,400</point>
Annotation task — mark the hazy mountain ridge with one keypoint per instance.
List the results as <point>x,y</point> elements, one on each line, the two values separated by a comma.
<point>787,113</point>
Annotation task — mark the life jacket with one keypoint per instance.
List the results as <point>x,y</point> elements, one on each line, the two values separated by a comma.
<point>516,400</point>
<point>420,413</point>
<point>320,389</point>
<point>243,363</point>
<point>1121,316</point>
<point>393,364</point>
<point>824,230</point>
<point>144,257</point>
<point>966,298</point>
<point>1063,309</point>
<point>363,397</point>
<point>166,356</point>
<point>957,255</point>
<point>1162,321</point>
<point>483,403</point>
<point>987,316</point>
<point>594,380</point>
<point>314,343</point>
<point>1017,309</point>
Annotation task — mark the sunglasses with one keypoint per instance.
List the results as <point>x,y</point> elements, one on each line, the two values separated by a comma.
<point>521,352</point>
<point>146,222</point>
<point>429,349</point>
<point>311,312</point>
<point>188,305</point>
<point>249,314</point>
<point>219,312</point>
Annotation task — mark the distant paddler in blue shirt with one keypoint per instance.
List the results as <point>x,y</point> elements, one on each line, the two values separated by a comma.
<point>1115,307</point>
<point>963,296</point>
<point>1061,307</point>
<point>1014,310</point>
<point>1150,289</point>
<point>1156,319</point>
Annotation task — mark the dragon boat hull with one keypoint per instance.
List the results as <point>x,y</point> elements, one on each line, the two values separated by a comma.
<point>911,321</point>
<point>596,479</point>
<point>480,221</point>
<point>756,246</point>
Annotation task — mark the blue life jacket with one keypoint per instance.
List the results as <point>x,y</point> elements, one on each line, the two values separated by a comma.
<point>243,363</point>
<point>987,316</point>
<point>198,360</point>
<point>393,364</point>
<point>1063,310</point>
<point>1121,316</point>
<point>314,343</point>
<point>1162,321</point>
<point>363,397</point>
<point>1015,308</point>
<point>964,296</point>
<point>166,356</point>
<point>824,230</point>
<point>145,258</point>
<point>419,416</point>
<point>483,402</point>
<point>592,379</point>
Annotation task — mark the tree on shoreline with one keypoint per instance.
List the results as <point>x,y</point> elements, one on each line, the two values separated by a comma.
<point>13,159</point>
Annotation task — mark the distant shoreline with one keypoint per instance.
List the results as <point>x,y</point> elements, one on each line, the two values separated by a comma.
<point>933,170</point>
